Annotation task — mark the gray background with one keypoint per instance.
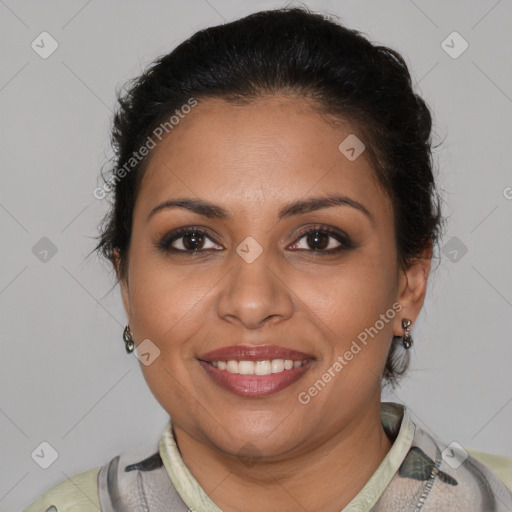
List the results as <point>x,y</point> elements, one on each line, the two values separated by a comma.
<point>64,375</point>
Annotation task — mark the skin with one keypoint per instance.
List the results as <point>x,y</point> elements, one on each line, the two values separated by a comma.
<point>252,160</point>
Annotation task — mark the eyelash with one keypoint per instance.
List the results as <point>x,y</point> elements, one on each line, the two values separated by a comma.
<point>165,243</point>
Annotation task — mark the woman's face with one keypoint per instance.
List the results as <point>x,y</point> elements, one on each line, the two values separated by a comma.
<point>258,279</point>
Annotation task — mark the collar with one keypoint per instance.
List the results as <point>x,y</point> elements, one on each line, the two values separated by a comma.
<point>397,424</point>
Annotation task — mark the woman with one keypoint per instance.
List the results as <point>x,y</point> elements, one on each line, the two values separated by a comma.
<point>272,232</point>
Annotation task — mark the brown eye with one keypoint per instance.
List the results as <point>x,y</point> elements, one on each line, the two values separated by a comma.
<point>317,240</point>
<point>193,240</point>
<point>185,240</point>
<point>323,240</point>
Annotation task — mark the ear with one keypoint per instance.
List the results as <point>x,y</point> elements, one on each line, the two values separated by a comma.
<point>412,288</point>
<point>123,282</point>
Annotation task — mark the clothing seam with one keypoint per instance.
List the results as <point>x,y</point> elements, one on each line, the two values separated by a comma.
<point>142,492</point>
<point>428,486</point>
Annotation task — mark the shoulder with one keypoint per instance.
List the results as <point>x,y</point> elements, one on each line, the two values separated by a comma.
<point>437,476</point>
<point>501,466</point>
<point>78,493</point>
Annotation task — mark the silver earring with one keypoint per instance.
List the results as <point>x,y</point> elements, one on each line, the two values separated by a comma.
<point>128,340</point>
<point>406,338</point>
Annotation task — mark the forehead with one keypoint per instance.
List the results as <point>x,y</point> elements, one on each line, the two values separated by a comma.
<point>270,150</point>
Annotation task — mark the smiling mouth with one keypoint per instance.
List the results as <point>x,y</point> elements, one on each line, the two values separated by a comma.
<point>255,371</point>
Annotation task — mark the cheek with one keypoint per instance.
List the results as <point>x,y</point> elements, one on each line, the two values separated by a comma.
<point>356,306</point>
<point>166,298</point>
<point>355,293</point>
<point>168,308</point>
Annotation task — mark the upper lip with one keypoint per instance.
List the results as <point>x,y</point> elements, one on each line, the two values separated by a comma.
<point>254,353</point>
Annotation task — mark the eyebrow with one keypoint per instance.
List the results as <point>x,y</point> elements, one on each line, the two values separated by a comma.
<point>213,211</point>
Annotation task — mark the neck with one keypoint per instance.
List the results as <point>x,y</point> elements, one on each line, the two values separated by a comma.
<point>325,478</point>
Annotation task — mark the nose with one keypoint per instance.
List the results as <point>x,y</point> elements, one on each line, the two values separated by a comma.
<point>254,294</point>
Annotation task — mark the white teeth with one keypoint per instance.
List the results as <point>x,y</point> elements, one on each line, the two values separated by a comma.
<point>232,366</point>
<point>246,367</point>
<point>264,367</point>
<point>277,365</point>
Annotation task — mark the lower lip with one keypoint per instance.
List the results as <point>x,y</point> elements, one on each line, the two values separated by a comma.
<point>255,385</point>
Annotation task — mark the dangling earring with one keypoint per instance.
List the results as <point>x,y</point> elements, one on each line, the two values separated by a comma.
<point>128,340</point>
<point>406,338</point>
